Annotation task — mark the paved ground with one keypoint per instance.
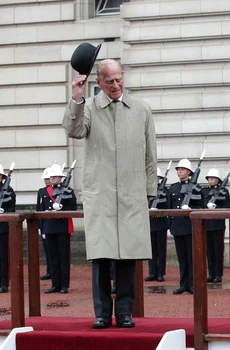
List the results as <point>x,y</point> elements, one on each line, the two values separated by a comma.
<point>159,300</point>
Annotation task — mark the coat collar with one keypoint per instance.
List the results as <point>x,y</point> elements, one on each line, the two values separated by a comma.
<point>104,102</point>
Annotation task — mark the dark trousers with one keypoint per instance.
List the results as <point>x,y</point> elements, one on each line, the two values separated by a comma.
<point>158,261</point>
<point>47,256</point>
<point>184,254</point>
<point>4,237</point>
<point>125,287</point>
<point>113,270</point>
<point>215,252</point>
<point>58,245</point>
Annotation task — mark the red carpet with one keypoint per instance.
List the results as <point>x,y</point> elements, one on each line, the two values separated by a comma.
<point>71,333</point>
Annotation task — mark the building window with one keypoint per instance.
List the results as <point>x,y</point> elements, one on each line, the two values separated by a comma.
<point>108,7</point>
<point>94,89</point>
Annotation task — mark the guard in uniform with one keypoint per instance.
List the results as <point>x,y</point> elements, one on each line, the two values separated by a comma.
<point>181,227</point>
<point>42,192</point>
<point>8,205</point>
<point>215,228</point>
<point>158,228</point>
<point>58,231</point>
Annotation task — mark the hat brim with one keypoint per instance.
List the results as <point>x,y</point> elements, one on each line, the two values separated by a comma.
<point>5,176</point>
<point>206,177</point>
<point>94,59</point>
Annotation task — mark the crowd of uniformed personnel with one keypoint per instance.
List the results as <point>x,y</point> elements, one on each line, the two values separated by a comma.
<point>56,233</point>
<point>213,195</point>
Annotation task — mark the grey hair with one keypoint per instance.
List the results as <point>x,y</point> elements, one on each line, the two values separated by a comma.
<point>101,66</point>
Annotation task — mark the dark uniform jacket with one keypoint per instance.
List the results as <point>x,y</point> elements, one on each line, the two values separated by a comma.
<point>8,205</point>
<point>45,203</point>
<point>182,225</point>
<point>223,201</point>
<point>160,223</point>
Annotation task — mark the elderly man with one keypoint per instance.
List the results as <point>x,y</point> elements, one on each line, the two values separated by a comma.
<point>119,174</point>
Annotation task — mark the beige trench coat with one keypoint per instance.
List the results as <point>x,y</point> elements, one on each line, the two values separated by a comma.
<point>119,172</point>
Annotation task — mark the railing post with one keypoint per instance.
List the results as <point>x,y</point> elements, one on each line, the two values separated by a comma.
<point>200,283</point>
<point>16,274</point>
<point>138,308</point>
<point>33,267</point>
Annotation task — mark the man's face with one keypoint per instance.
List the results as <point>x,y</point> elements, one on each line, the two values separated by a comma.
<point>47,182</point>
<point>1,177</point>
<point>213,181</point>
<point>183,174</point>
<point>54,180</point>
<point>112,81</point>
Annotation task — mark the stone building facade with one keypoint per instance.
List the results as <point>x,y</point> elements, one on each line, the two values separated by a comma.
<point>175,54</point>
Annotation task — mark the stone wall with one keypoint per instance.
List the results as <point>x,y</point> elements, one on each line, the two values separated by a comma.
<point>175,54</point>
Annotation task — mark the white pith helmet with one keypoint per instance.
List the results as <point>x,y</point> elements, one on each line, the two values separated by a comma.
<point>213,173</point>
<point>159,173</point>
<point>46,173</point>
<point>2,170</point>
<point>184,163</point>
<point>56,170</point>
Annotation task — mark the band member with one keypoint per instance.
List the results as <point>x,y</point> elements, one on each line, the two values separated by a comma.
<point>58,231</point>
<point>181,227</point>
<point>8,200</point>
<point>158,229</point>
<point>43,192</point>
<point>215,228</point>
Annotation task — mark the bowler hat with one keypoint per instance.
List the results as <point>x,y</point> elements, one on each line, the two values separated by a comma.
<point>83,58</point>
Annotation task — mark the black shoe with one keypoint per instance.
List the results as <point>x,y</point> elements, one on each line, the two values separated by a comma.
<point>113,289</point>
<point>189,290</point>
<point>47,276</point>
<point>102,322</point>
<point>51,290</point>
<point>160,278</point>
<point>4,289</point>
<point>125,321</point>
<point>64,291</point>
<point>217,279</point>
<point>179,290</point>
<point>210,279</point>
<point>150,278</point>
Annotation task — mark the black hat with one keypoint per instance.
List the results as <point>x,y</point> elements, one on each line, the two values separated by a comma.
<point>83,58</point>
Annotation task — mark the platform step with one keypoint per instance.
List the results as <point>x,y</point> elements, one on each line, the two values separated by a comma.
<point>101,339</point>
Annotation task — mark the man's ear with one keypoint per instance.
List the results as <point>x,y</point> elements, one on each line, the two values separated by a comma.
<point>99,83</point>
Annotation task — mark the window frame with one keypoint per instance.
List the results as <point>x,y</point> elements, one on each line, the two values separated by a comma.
<point>107,11</point>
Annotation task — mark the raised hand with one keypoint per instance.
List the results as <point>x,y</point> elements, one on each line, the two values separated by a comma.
<point>78,87</point>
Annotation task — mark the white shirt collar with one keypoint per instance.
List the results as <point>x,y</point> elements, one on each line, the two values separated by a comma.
<point>118,99</point>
